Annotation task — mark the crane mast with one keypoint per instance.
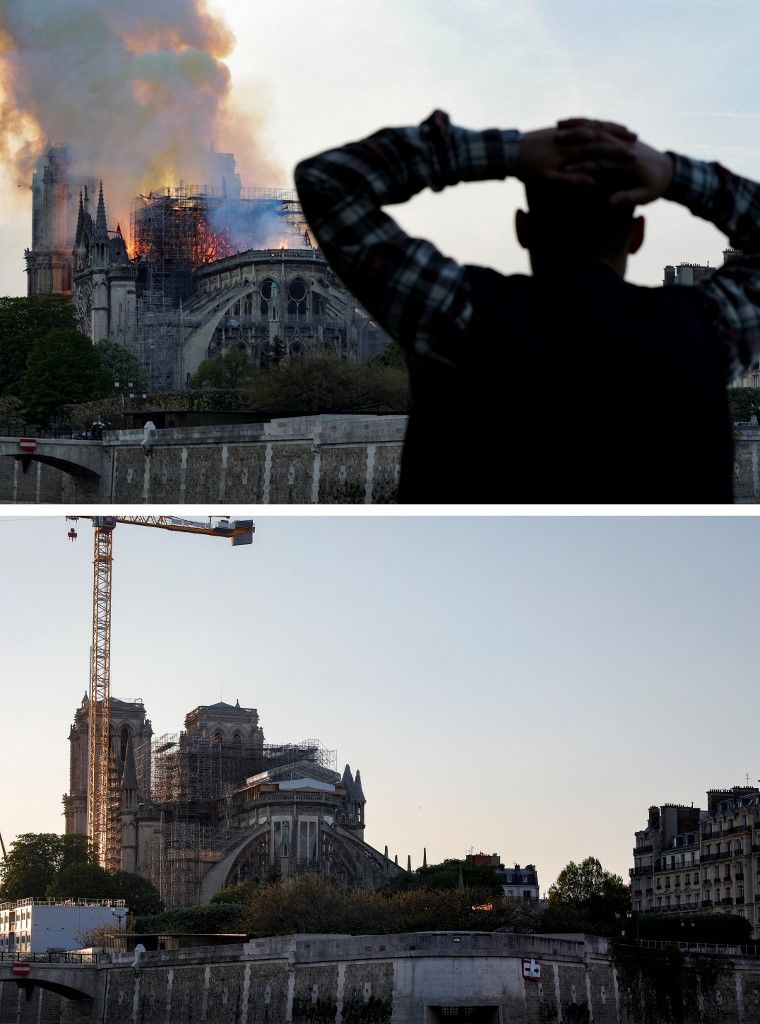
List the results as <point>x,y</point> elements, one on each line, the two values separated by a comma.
<point>98,804</point>
<point>99,830</point>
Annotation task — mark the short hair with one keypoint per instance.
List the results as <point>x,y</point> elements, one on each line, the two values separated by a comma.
<point>576,219</point>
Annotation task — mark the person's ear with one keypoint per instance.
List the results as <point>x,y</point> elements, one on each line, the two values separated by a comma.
<point>522,228</point>
<point>637,235</point>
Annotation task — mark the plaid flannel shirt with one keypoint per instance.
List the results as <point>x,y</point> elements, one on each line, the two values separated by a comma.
<point>422,298</point>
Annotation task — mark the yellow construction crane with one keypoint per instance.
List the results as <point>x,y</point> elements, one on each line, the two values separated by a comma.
<point>99,755</point>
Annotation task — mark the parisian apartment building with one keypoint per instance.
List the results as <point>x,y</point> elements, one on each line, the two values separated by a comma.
<point>518,883</point>
<point>689,859</point>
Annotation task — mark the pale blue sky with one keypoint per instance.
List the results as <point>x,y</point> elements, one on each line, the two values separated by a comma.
<point>683,73</point>
<point>525,686</point>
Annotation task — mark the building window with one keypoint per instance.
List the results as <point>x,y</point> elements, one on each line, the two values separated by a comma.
<point>297,298</point>
<point>269,299</point>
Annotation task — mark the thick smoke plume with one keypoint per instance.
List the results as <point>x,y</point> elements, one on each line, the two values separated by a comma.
<point>259,225</point>
<point>136,90</point>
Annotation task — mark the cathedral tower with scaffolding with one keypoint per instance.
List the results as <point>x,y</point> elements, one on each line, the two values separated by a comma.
<point>215,804</point>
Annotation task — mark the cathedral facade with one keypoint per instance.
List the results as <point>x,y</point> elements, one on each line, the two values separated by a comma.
<point>104,278</point>
<point>215,805</point>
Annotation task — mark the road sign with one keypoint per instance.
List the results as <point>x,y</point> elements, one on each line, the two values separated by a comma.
<point>21,970</point>
<point>531,969</point>
<point>28,445</point>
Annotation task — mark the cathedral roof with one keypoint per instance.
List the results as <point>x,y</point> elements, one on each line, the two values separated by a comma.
<point>221,705</point>
<point>117,248</point>
<point>297,770</point>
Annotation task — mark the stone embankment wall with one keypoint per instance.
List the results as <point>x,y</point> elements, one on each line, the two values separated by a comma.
<point>420,978</point>
<point>312,459</point>
<point>747,464</point>
<point>303,460</point>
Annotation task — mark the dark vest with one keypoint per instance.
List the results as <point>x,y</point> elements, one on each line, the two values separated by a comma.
<point>573,388</point>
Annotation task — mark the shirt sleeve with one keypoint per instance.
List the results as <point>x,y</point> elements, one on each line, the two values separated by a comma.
<point>420,297</point>
<point>732,204</point>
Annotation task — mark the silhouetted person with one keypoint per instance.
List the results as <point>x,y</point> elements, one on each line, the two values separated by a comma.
<point>570,385</point>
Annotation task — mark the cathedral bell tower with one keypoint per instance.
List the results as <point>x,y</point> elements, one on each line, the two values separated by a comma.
<point>100,266</point>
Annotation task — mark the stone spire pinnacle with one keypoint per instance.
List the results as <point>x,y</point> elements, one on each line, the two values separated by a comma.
<point>348,782</point>
<point>424,856</point>
<point>409,863</point>
<point>129,776</point>
<point>101,227</point>
<point>358,791</point>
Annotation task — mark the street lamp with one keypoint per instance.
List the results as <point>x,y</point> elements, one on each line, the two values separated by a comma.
<point>120,913</point>
<point>130,387</point>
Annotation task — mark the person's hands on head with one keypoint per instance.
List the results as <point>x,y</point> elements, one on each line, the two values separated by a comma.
<point>641,173</point>
<point>556,154</point>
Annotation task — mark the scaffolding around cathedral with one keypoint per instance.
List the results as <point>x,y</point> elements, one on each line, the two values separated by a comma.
<point>159,335</point>
<point>174,231</point>
<point>189,774</point>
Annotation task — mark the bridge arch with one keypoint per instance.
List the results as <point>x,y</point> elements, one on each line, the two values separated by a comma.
<point>80,459</point>
<point>29,985</point>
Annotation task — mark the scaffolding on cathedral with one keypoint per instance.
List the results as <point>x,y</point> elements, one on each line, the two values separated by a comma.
<point>174,231</point>
<point>190,774</point>
<point>161,330</point>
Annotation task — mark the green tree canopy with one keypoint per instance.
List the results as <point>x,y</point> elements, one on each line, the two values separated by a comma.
<point>35,859</point>
<point>585,897</point>
<point>62,867</point>
<point>140,895</point>
<point>23,322</point>
<point>63,367</point>
<point>392,356</point>
<point>122,365</point>
<point>309,385</point>
<point>729,929</point>
<point>212,918</point>
<point>235,893</point>
<point>233,369</point>
<point>744,403</point>
<point>324,383</point>
<point>78,880</point>
<point>446,875</point>
<point>309,904</point>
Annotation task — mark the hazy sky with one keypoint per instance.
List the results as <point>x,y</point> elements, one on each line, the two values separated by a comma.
<point>523,686</point>
<point>683,73</point>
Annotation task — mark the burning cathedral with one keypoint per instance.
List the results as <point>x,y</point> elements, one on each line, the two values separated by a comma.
<point>206,269</point>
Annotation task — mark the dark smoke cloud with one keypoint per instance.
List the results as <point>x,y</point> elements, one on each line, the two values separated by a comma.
<point>135,89</point>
